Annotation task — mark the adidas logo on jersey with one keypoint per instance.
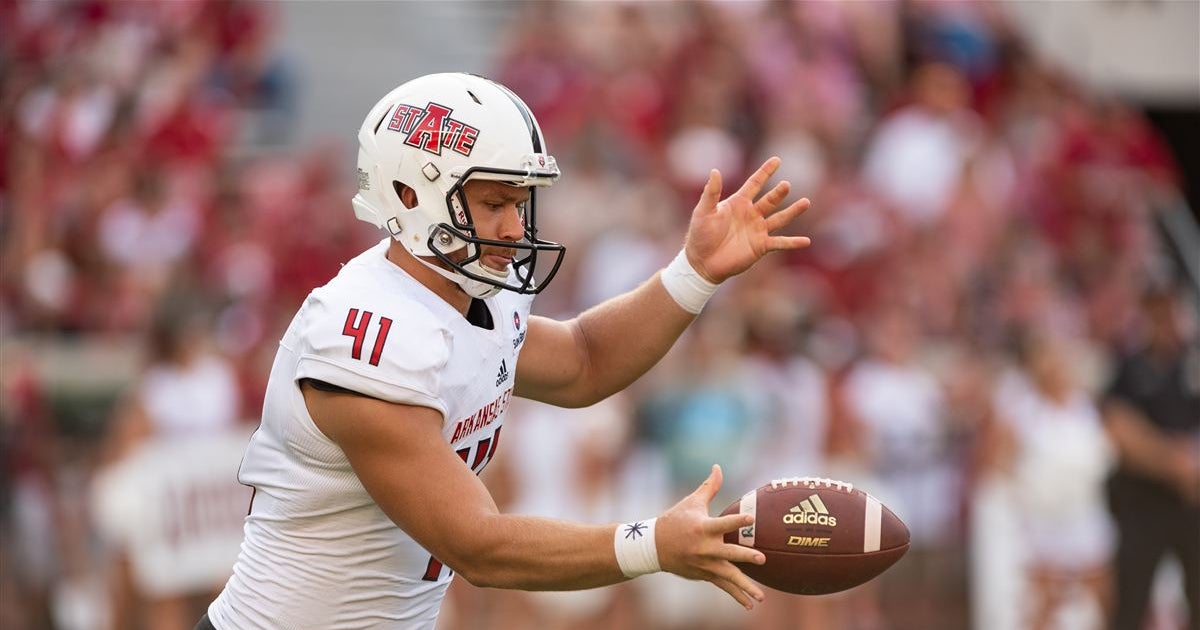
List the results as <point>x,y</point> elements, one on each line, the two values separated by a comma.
<point>503,374</point>
<point>811,511</point>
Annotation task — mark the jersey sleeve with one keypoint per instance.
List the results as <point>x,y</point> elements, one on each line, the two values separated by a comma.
<point>385,349</point>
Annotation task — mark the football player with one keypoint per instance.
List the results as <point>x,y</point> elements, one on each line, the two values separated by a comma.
<point>388,393</point>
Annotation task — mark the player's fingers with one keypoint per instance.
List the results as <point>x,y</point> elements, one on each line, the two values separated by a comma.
<point>743,585</point>
<point>740,580</point>
<point>728,523</point>
<point>711,486</point>
<point>782,243</point>
<point>787,215</point>
<point>755,183</point>
<point>711,195</point>
<point>738,553</point>
<point>734,592</point>
<point>770,201</point>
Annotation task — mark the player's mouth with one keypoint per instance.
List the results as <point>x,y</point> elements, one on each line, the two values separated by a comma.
<point>497,260</point>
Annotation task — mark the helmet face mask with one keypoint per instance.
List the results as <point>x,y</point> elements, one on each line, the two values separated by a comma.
<point>434,134</point>
<point>523,278</point>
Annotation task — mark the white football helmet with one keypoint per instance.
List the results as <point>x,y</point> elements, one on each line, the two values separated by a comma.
<point>434,134</point>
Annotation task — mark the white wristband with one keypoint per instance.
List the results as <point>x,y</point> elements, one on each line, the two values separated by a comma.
<point>686,286</point>
<point>637,553</point>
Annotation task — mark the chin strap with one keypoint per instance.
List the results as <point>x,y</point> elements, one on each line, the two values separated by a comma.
<point>472,287</point>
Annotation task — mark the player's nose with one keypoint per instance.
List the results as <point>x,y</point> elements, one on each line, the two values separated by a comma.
<point>512,225</point>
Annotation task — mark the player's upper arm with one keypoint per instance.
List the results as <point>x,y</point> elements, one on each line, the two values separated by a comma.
<point>553,364</point>
<point>400,456</point>
<point>373,345</point>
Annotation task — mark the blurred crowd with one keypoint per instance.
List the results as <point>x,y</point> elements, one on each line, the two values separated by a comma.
<point>988,332</point>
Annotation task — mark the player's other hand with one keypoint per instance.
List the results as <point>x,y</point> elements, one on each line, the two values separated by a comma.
<point>691,544</point>
<point>726,237</point>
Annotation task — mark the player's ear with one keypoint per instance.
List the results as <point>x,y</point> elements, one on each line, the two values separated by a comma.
<point>407,195</point>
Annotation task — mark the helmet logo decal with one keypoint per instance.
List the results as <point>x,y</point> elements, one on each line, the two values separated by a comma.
<point>431,128</point>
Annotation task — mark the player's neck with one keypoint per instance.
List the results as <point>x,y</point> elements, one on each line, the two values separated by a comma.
<point>442,287</point>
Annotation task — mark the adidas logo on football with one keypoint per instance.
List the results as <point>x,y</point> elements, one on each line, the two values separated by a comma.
<point>503,374</point>
<point>811,511</point>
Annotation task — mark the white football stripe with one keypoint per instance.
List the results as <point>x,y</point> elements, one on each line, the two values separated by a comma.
<point>872,521</point>
<point>749,506</point>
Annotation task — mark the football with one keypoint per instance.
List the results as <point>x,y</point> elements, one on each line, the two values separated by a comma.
<point>819,535</point>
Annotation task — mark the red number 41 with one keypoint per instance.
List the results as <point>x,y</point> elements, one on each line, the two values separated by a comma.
<point>356,328</point>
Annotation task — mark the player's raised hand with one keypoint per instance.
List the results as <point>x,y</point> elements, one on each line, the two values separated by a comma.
<point>692,544</point>
<point>726,237</point>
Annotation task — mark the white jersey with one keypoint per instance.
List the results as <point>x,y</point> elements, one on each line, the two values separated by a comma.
<point>318,552</point>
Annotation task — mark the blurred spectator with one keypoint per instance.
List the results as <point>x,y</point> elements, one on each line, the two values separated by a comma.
<point>918,153</point>
<point>779,309</point>
<point>1153,413</point>
<point>1050,442</point>
<point>899,408</point>
<point>896,412</point>
<point>961,34</point>
<point>628,246</point>
<point>30,465</point>
<point>630,53</point>
<point>832,49</point>
<point>144,237</point>
<point>545,69</point>
<point>1105,177</point>
<point>71,117</point>
<point>712,412</point>
<point>248,70</point>
<point>187,396</point>
<point>715,113</point>
<point>795,389</point>
<point>188,389</point>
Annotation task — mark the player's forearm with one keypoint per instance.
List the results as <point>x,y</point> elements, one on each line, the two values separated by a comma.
<point>1142,447</point>
<point>540,554</point>
<point>627,335</point>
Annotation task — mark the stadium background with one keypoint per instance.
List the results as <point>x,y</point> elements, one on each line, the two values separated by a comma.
<point>175,177</point>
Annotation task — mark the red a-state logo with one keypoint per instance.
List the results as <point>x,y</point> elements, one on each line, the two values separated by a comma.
<point>431,128</point>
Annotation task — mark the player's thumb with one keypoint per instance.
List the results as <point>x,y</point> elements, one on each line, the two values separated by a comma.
<point>711,486</point>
